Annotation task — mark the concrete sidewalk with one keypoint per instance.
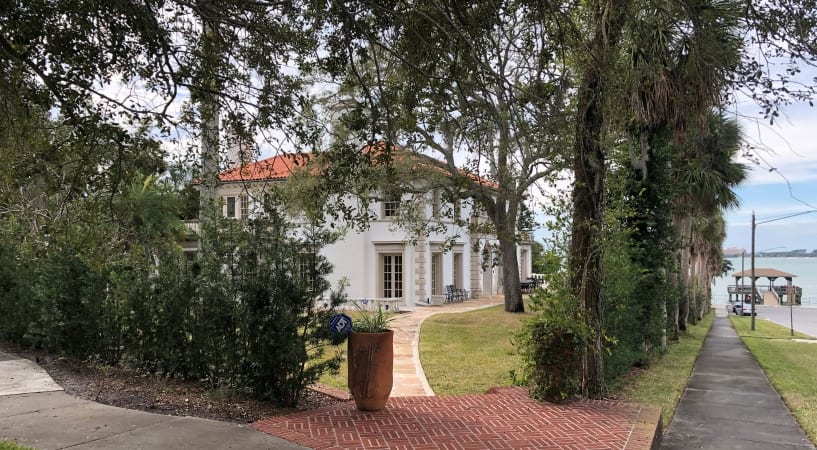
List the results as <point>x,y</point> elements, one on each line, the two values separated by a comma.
<point>729,403</point>
<point>36,413</point>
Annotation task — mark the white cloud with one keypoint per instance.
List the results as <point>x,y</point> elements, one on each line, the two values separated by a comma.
<point>784,151</point>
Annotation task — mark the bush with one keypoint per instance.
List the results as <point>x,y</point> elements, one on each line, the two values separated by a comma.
<point>240,316</point>
<point>552,344</point>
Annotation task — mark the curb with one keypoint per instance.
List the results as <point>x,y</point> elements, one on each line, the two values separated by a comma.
<point>647,431</point>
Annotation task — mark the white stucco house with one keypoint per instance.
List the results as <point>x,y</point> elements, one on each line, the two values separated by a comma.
<point>384,264</point>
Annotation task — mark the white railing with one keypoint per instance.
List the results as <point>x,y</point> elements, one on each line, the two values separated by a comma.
<point>371,304</point>
<point>192,225</point>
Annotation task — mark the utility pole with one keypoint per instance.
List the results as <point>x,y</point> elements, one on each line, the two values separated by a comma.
<point>752,298</point>
<point>754,226</point>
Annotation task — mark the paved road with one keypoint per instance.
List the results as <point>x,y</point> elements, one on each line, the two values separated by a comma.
<point>805,318</point>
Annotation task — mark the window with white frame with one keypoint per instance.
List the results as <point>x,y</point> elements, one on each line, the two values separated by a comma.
<point>245,206</point>
<point>307,268</point>
<point>390,269</point>
<point>391,272</point>
<point>436,273</point>
<point>230,207</point>
<point>435,203</point>
<point>391,207</point>
<point>457,271</point>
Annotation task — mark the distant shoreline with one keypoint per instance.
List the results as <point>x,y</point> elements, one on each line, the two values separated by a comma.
<point>773,255</point>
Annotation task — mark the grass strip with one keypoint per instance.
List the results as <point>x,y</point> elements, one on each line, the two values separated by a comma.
<point>788,364</point>
<point>664,380</point>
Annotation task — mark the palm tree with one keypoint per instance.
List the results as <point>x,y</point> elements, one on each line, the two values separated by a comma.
<point>679,57</point>
<point>709,234</point>
<point>706,179</point>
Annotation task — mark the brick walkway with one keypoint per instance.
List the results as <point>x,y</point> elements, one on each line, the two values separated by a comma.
<point>502,419</point>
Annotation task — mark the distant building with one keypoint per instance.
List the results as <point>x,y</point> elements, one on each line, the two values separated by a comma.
<point>734,252</point>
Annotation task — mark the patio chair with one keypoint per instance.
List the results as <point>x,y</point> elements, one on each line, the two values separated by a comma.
<point>450,294</point>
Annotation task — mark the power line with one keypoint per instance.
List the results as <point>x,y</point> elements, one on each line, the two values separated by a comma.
<point>775,219</point>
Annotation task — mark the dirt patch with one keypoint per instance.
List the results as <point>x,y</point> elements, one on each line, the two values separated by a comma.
<point>127,388</point>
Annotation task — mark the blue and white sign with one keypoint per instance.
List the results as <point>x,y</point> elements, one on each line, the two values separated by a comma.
<point>340,324</point>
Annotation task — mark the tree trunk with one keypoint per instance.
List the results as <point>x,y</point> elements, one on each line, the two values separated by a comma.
<point>505,223</point>
<point>678,287</point>
<point>585,245</point>
<point>510,274</point>
<point>703,285</point>
<point>588,188</point>
<point>692,319</point>
<point>682,284</point>
<point>209,120</point>
<point>664,319</point>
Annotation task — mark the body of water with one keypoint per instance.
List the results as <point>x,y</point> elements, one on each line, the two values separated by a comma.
<point>805,270</point>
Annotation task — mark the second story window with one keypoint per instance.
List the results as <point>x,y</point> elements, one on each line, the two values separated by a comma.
<point>391,207</point>
<point>435,204</point>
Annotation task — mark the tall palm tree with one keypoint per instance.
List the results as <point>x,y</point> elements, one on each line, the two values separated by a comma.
<point>708,236</point>
<point>706,177</point>
<point>679,58</point>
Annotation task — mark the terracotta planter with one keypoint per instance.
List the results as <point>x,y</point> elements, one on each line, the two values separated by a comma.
<point>371,359</point>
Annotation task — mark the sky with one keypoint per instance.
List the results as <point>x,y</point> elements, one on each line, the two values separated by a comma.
<point>782,182</point>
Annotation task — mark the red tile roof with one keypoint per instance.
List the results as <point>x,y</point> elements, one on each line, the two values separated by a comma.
<point>280,167</point>
<point>273,168</point>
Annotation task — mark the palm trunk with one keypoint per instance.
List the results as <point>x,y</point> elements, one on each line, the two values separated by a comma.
<point>664,320</point>
<point>678,289</point>
<point>683,306</point>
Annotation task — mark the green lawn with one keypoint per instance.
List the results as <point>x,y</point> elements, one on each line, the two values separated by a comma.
<point>338,380</point>
<point>789,365</point>
<point>461,353</point>
<point>469,352</point>
<point>663,382</point>
<point>764,329</point>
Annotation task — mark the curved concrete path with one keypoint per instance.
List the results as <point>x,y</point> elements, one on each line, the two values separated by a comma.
<point>409,377</point>
<point>729,403</point>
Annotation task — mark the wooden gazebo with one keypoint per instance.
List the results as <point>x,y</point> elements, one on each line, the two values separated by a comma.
<point>789,291</point>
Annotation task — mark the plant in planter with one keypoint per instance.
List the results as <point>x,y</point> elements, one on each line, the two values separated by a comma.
<point>371,359</point>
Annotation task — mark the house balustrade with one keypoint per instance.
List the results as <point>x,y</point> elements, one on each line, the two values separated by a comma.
<point>192,225</point>
<point>371,304</point>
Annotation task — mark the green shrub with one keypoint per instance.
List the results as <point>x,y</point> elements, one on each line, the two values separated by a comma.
<point>242,315</point>
<point>552,345</point>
